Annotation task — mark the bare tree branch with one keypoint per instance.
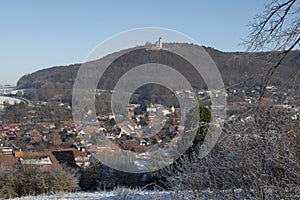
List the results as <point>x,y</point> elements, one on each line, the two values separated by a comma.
<point>274,67</point>
<point>278,30</point>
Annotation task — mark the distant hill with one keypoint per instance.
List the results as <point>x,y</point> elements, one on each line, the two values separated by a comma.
<point>233,66</point>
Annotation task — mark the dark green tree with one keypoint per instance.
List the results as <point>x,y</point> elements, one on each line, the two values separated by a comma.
<point>112,122</point>
<point>201,117</point>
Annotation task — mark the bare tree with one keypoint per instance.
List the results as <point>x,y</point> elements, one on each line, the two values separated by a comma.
<point>257,158</point>
<point>276,29</point>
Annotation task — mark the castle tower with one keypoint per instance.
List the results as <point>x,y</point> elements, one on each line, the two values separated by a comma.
<point>159,43</point>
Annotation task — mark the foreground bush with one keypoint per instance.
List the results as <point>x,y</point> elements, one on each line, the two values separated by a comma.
<point>258,159</point>
<point>35,181</point>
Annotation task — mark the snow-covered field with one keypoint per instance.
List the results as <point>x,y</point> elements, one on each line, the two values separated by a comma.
<point>132,194</point>
<point>114,195</point>
<point>129,194</point>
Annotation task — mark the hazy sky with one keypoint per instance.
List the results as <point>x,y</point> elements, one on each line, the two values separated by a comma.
<point>40,34</point>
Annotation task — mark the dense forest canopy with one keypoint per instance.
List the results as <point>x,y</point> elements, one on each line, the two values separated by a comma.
<point>235,67</point>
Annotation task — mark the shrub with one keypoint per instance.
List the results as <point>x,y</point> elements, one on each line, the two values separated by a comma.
<point>257,159</point>
<point>35,181</point>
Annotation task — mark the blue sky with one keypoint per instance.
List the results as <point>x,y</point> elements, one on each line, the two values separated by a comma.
<point>40,34</point>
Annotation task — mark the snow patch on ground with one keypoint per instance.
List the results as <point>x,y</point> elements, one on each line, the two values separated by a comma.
<point>9,100</point>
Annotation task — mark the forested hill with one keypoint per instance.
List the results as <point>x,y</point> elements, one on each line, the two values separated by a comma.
<point>233,66</point>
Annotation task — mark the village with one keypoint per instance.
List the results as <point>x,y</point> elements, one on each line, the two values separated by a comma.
<point>41,142</point>
<point>49,141</point>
